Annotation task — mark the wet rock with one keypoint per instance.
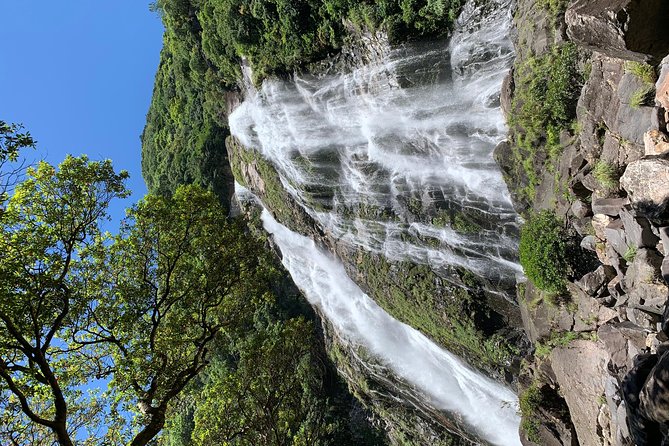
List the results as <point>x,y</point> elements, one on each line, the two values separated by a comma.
<point>580,369</point>
<point>655,143</point>
<point>638,231</point>
<point>647,183</point>
<point>628,29</point>
<point>609,206</point>
<point>506,94</point>
<point>593,282</point>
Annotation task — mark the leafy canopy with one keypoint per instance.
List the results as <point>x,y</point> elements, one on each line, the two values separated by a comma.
<point>139,309</point>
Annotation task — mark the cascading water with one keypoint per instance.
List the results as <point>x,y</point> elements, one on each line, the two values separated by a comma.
<point>486,407</point>
<point>396,158</point>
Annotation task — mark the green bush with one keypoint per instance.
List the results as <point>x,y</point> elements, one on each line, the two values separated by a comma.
<point>543,247</point>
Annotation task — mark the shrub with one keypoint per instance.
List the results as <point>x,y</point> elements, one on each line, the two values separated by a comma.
<point>642,96</point>
<point>606,174</point>
<point>543,246</point>
<point>641,70</point>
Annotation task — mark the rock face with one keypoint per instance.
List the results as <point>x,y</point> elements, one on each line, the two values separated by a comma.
<point>580,368</point>
<point>647,183</point>
<point>626,29</point>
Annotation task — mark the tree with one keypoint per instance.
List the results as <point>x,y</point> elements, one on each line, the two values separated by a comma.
<point>139,309</point>
<point>12,140</point>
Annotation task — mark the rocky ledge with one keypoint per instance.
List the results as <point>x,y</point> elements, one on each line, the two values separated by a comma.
<point>600,372</point>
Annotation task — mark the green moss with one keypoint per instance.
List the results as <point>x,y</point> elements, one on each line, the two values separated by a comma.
<point>530,400</point>
<point>556,340</point>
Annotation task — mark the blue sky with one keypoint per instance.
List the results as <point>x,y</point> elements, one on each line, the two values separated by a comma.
<point>79,75</point>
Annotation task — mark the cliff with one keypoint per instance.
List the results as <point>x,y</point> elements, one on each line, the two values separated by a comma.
<point>587,104</point>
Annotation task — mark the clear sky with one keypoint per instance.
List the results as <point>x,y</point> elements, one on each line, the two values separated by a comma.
<point>79,75</point>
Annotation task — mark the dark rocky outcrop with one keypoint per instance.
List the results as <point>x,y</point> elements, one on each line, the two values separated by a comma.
<point>625,29</point>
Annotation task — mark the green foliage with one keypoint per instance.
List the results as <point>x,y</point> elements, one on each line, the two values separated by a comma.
<point>543,251</point>
<point>12,140</point>
<point>642,96</point>
<point>554,7</point>
<point>606,174</point>
<point>530,400</point>
<point>642,70</point>
<point>557,339</point>
<point>630,254</point>
<point>547,89</point>
<point>140,309</point>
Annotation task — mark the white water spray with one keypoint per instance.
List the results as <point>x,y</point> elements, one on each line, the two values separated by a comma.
<point>377,155</point>
<point>485,406</point>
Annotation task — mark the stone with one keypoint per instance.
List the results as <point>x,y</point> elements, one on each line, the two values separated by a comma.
<point>627,29</point>
<point>589,242</point>
<point>647,184</point>
<point>506,93</point>
<point>618,337</point>
<point>580,370</point>
<point>614,288</point>
<point>583,226</point>
<point>663,233</point>
<point>654,396</point>
<point>642,280</point>
<point>655,143</point>
<point>638,231</point>
<point>580,209</point>
<point>642,318</point>
<point>616,238</point>
<point>594,281</point>
<point>609,206</point>
<point>662,86</point>
<point>599,223</point>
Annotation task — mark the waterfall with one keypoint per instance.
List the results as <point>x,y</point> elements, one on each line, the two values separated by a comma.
<point>488,408</point>
<point>396,158</point>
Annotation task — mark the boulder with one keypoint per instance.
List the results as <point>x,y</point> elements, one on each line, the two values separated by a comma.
<point>506,94</point>
<point>646,182</point>
<point>580,209</point>
<point>580,369</point>
<point>616,238</point>
<point>654,396</point>
<point>638,231</point>
<point>594,281</point>
<point>627,29</point>
<point>656,143</point>
<point>619,338</point>
<point>609,206</point>
<point>589,242</point>
<point>646,290</point>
